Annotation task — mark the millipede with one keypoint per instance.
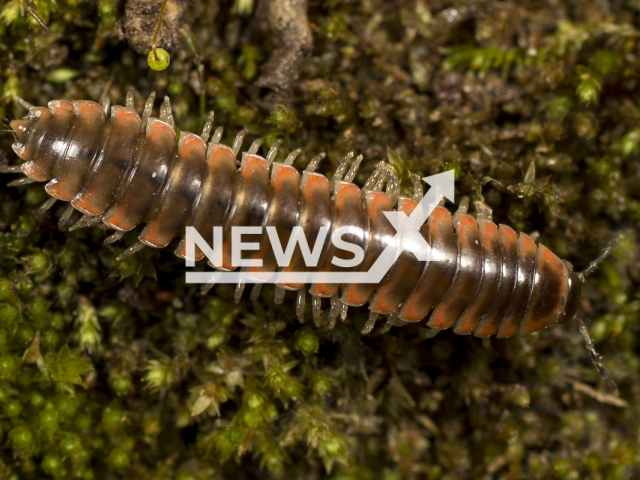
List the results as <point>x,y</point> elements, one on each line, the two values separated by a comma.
<point>124,169</point>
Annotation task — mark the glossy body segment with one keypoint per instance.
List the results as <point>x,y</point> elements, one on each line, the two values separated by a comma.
<point>71,169</point>
<point>437,275</point>
<point>216,196</point>
<point>544,308</point>
<point>510,323</point>
<point>403,276</point>
<point>357,294</point>
<point>348,213</point>
<point>490,321</point>
<point>144,177</point>
<point>120,141</point>
<point>468,276</point>
<point>283,214</point>
<point>179,193</point>
<point>250,206</point>
<point>491,279</point>
<point>316,212</point>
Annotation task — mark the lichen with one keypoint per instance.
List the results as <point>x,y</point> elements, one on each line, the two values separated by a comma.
<point>121,370</point>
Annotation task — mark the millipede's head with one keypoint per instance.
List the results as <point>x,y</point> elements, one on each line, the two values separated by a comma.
<point>29,131</point>
<point>20,127</point>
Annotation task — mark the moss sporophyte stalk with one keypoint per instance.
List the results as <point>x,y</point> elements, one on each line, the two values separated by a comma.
<point>113,369</point>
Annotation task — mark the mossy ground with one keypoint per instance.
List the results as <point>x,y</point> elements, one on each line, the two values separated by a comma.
<point>120,370</point>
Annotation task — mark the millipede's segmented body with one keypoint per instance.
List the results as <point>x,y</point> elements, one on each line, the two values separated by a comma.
<point>126,170</point>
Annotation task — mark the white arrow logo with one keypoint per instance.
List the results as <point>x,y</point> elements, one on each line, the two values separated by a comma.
<point>407,237</point>
<point>408,234</point>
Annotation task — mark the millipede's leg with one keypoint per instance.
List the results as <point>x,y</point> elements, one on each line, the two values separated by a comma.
<point>207,287</point>
<point>483,211</point>
<point>344,308</point>
<point>603,255</point>
<point>392,321</point>
<point>386,327</point>
<point>21,181</point>
<point>337,176</point>
<point>255,146</point>
<point>166,115</point>
<point>382,177</point>
<point>217,135</point>
<point>239,289</point>
<point>316,306</point>
<point>129,100</point>
<point>393,184</point>
<point>106,104</point>
<point>80,223</point>
<point>428,332</point>
<point>47,205</point>
<point>278,296</point>
<point>316,309</point>
<point>206,131</point>
<point>237,143</point>
<point>292,156</point>
<point>334,312</point>
<point>94,221</point>
<point>300,301</point>
<point>371,322</point>
<point>65,217</point>
<point>212,280</point>
<point>417,187</point>
<point>463,207</point>
<point>596,359</point>
<point>255,292</point>
<point>130,251</point>
<point>351,174</point>
<point>313,164</point>
<point>11,169</point>
<point>114,237</point>
<point>85,221</point>
<point>373,178</point>
<point>273,151</point>
<point>148,107</point>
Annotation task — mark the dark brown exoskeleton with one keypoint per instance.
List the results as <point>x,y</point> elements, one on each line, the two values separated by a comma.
<point>123,170</point>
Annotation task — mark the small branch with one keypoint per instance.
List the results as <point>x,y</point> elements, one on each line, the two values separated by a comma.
<point>600,396</point>
<point>154,43</point>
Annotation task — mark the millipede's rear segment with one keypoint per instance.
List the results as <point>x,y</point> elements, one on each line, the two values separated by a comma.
<point>125,170</point>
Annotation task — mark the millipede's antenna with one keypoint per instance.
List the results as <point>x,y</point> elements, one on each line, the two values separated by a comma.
<point>604,254</point>
<point>596,358</point>
<point>30,8</point>
<point>23,103</point>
